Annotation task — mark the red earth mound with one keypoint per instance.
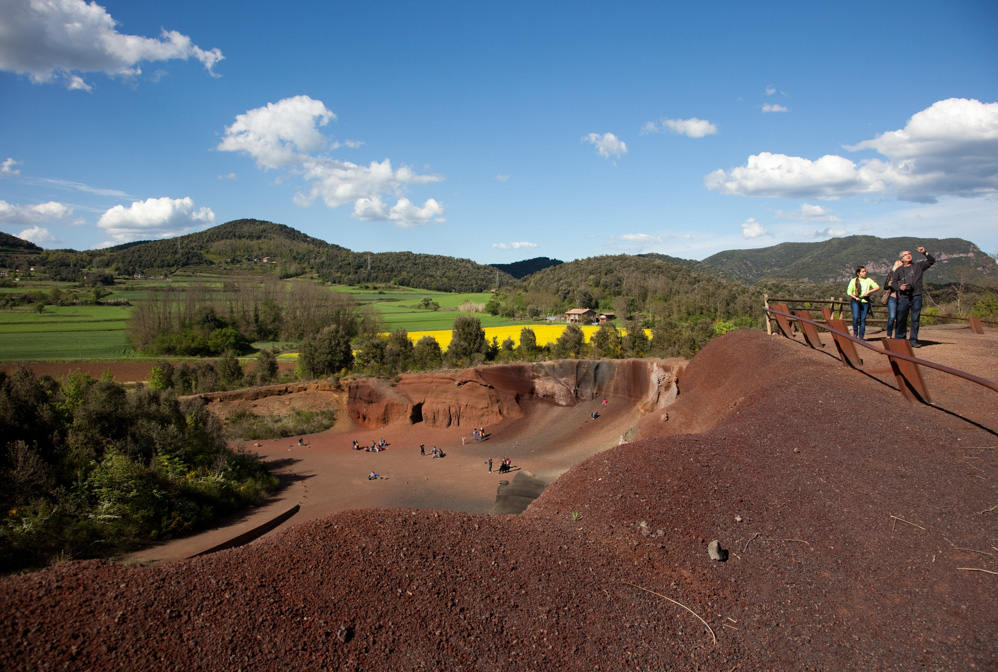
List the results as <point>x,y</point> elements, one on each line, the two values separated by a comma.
<point>860,534</point>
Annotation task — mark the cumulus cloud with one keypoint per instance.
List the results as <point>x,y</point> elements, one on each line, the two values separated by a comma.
<point>782,176</point>
<point>33,215</point>
<point>154,218</point>
<point>280,134</point>
<point>948,149</point>
<point>404,213</point>
<point>773,107</point>
<point>514,246</point>
<point>56,40</point>
<point>607,145</point>
<point>691,128</point>
<point>38,235</point>
<point>502,178</point>
<point>7,167</point>
<point>287,134</point>
<point>753,229</point>
<point>809,213</point>
<point>228,176</point>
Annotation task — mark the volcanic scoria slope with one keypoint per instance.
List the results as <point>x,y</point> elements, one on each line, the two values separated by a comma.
<point>854,524</point>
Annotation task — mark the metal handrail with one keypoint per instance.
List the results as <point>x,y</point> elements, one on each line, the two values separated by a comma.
<point>897,355</point>
<point>845,304</point>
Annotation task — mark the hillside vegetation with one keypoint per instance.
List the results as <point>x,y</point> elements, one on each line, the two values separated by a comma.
<point>833,261</point>
<point>258,247</point>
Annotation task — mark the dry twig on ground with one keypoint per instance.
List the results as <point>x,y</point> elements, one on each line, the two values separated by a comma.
<point>709,629</point>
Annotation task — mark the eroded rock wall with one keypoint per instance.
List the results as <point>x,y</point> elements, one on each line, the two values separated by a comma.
<point>484,396</point>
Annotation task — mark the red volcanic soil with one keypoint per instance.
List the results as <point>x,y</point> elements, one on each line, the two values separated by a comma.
<point>861,534</point>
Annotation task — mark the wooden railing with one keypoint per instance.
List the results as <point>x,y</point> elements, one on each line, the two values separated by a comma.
<point>841,307</point>
<point>904,364</point>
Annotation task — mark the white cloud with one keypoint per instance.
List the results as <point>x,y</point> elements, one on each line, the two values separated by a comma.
<point>37,235</point>
<point>773,107</point>
<point>770,90</point>
<point>287,134</point>
<point>67,185</point>
<point>7,167</point>
<point>33,215</point>
<point>828,232</point>
<point>607,144</point>
<point>514,246</point>
<point>403,213</point>
<point>951,148</point>
<point>228,176</point>
<point>280,134</point>
<point>341,182</point>
<point>691,128</point>
<point>782,176</point>
<point>639,238</point>
<point>809,213</point>
<point>154,218</point>
<point>753,229</point>
<point>58,39</point>
<point>502,178</point>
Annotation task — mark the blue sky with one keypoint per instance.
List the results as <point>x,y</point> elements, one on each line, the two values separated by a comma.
<point>501,131</point>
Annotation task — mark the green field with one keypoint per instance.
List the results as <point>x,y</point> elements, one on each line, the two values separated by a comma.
<point>98,331</point>
<point>49,345</point>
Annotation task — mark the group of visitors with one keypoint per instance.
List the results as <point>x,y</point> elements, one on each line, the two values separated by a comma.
<point>504,466</point>
<point>479,434</point>
<point>904,297</point>
<point>375,447</point>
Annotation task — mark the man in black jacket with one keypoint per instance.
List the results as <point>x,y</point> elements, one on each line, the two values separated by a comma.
<point>908,284</point>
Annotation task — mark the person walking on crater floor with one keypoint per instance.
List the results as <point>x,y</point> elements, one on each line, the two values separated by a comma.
<point>908,284</point>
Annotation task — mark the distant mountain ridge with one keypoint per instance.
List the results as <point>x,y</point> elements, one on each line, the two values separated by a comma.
<point>248,244</point>
<point>521,269</point>
<point>834,261</point>
<point>252,245</point>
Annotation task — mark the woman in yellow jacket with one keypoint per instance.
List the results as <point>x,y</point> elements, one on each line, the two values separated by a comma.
<point>859,291</point>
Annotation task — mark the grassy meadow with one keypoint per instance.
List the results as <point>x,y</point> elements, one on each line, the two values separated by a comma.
<point>99,331</point>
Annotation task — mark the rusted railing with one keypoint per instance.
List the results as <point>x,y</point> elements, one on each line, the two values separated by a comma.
<point>897,350</point>
<point>842,307</point>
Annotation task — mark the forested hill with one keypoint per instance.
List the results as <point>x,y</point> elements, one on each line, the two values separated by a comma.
<point>15,252</point>
<point>233,243</point>
<point>521,269</point>
<point>423,271</point>
<point>643,283</point>
<point>258,246</point>
<point>834,261</point>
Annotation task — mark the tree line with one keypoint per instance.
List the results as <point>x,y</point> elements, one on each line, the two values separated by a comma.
<point>91,469</point>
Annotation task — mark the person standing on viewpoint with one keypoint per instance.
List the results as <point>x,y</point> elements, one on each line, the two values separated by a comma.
<point>892,299</point>
<point>908,285</point>
<point>859,291</point>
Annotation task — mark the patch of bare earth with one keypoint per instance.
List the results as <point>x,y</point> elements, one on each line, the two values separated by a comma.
<point>861,534</point>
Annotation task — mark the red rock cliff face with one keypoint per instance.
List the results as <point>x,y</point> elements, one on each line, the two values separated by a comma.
<point>484,396</point>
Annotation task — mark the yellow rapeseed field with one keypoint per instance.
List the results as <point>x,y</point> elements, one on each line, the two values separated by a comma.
<point>545,333</point>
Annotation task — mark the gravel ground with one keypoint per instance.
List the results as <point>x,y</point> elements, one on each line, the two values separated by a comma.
<point>860,533</point>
